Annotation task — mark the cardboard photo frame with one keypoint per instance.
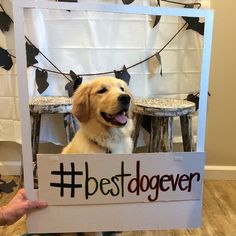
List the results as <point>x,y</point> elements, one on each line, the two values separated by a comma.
<point>138,214</point>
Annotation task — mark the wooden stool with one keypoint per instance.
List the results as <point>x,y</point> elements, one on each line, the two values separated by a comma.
<point>50,105</point>
<point>162,112</point>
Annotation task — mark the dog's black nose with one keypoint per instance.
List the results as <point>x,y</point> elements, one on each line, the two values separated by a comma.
<point>124,99</point>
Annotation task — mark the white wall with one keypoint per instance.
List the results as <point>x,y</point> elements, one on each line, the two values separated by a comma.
<point>221,126</point>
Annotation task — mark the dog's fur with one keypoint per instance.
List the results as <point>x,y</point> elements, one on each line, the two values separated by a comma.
<point>103,108</point>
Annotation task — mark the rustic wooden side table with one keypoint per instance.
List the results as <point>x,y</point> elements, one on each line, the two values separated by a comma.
<point>162,113</point>
<point>50,105</point>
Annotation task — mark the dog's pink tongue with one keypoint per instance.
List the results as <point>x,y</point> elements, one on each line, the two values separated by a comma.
<point>121,118</point>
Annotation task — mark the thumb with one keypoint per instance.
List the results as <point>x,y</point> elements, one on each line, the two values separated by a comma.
<point>37,204</point>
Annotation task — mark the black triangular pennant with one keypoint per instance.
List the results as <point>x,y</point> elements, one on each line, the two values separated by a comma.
<point>5,21</point>
<point>41,80</point>
<point>123,74</point>
<point>158,56</point>
<point>197,26</point>
<point>7,187</point>
<point>157,18</point>
<point>74,84</point>
<point>76,78</point>
<point>194,98</point>
<point>5,59</point>
<point>127,1</point>
<point>70,88</point>
<point>193,22</point>
<point>31,53</point>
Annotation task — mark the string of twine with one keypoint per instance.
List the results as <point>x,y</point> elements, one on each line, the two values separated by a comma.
<point>107,72</point>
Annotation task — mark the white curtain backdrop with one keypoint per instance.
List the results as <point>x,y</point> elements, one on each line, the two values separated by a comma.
<point>90,42</point>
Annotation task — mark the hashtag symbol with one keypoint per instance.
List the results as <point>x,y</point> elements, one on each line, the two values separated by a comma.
<point>62,185</point>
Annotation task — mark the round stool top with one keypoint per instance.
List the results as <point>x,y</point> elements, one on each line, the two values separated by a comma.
<point>48,104</point>
<point>163,107</point>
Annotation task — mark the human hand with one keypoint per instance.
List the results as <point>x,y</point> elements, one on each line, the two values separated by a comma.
<point>18,206</point>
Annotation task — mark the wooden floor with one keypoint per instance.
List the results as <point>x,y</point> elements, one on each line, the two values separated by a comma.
<point>219,214</point>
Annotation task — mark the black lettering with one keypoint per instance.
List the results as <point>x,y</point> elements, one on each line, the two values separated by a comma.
<point>135,181</point>
<point>154,185</point>
<point>142,183</point>
<point>192,175</point>
<point>115,179</point>
<point>183,178</point>
<point>87,179</point>
<point>122,176</point>
<point>164,178</point>
<point>104,181</point>
<point>174,183</point>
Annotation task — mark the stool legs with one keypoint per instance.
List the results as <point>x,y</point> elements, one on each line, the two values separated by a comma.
<point>138,121</point>
<point>161,136</point>
<point>35,133</point>
<point>166,134</point>
<point>70,126</point>
<point>161,133</point>
<point>155,134</point>
<point>187,135</point>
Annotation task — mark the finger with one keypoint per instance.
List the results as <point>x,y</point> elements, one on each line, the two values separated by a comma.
<point>37,204</point>
<point>22,192</point>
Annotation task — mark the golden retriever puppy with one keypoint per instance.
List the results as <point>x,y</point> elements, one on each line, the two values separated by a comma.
<point>103,108</point>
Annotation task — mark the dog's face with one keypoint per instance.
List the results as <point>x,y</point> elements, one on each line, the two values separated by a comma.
<point>106,99</point>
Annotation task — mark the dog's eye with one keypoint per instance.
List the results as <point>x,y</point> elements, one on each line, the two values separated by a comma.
<point>122,89</point>
<point>102,90</point>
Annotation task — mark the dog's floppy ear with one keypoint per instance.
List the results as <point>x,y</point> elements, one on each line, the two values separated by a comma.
<point>130,112</point>
<point>80,104</point>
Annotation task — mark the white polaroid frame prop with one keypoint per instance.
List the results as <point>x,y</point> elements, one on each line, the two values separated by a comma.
<point>179,176</point>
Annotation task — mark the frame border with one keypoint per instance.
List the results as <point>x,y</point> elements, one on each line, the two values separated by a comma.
<point>18,11</point>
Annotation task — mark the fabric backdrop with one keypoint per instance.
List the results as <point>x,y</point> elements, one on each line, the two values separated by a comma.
<point>90,42</point>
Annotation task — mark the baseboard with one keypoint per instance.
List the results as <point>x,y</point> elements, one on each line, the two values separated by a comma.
<point>10,167</point>
<point>220,172</point>
<point>211,172</point>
